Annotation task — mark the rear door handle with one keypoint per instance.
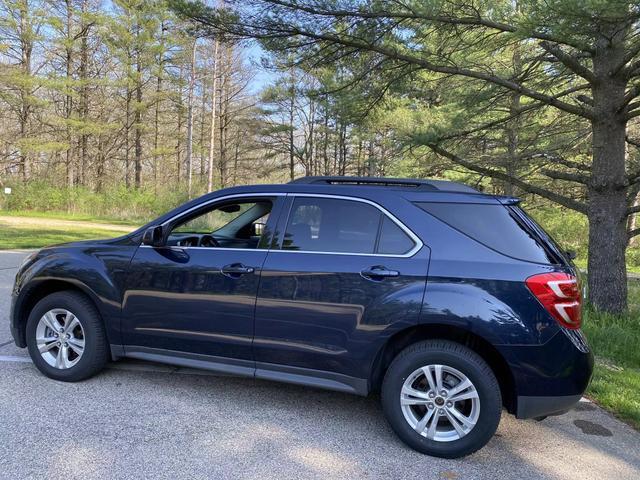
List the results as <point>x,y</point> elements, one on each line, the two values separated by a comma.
<point>234,270</point>
<point>378,272</point>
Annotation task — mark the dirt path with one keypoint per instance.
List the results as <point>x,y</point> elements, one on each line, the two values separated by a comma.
<point>28,222</point>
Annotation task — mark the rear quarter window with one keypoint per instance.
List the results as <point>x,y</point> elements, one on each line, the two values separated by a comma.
<point>496,226</point>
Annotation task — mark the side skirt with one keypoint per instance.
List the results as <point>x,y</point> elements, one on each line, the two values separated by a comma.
<point>247,368</point>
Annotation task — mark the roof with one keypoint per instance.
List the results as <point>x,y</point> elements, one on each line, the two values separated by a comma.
<point>429,185</point>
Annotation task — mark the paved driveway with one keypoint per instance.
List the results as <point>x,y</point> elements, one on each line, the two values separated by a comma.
<point>141,420</point>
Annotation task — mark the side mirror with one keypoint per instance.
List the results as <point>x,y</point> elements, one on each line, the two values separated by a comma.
<point>571,254</point>
<point>153,236</point>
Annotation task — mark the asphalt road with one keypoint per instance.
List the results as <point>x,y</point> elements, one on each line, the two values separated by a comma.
<point>142,420</point>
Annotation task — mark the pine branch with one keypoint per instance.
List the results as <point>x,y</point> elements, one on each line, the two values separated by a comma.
<point>569,61</point>
<point>477,21</point>
<point>543,192</point>
<point>508,84</point>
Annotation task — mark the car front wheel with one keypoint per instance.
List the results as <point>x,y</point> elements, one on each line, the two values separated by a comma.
<point>441,398</point>
<point>65,337</point>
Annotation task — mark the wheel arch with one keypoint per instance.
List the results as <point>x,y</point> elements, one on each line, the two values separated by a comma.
<point>402,339</point>
<point>39,290</point>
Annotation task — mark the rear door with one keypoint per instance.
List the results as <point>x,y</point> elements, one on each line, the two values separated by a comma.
<point>346,275</point>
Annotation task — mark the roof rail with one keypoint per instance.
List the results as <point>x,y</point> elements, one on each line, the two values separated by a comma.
<point>424,185</point>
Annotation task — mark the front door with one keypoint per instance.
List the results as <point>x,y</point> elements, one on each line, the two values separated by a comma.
<point>197,293</point>
<point>346,276</point>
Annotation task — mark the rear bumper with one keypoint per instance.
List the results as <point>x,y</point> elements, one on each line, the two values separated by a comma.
<point>533,407</point>
<point>550,378</point>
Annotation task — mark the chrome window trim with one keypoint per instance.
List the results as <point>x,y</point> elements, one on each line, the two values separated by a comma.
<point>416,240</point>
<point>225,197</point>
<point>417,243</point>
<point>228,249</point>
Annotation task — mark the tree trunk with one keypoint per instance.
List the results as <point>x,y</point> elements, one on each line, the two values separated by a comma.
<point>156,126</point>
<point>325,146</point>
<point>189,155</point>
<point>224,112</point>
<point>212,135</point>
<point>68,99</point>
<point>607,272</point>
<point>84,93</point>
<point>100,166</point>
<point>127,120</point>
<point>158,101</point>
<point>138,131</point>
<point>26,51</point>
<point>310,147</point>
<point>138,113</point>
<point>203,122</point>
<point>292,106</point>
<point>236,158</point>
<point>371,161</point>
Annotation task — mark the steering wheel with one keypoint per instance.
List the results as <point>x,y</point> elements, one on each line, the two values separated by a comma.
<point>208,241</point>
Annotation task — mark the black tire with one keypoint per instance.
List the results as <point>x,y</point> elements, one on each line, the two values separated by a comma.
<point>95,354</point>
<point>464,360</point>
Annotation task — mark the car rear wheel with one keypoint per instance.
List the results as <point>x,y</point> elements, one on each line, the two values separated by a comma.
<point>441,398</point>
<point>65,337</point>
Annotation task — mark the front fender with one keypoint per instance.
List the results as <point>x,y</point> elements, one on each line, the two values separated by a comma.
<point>98,272</point>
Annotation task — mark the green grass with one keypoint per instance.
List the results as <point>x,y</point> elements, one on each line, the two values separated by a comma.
<point>616,344</point>
<point>17,237</point>
<point>617,389</point>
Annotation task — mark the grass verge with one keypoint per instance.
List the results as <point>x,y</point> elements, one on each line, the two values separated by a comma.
<point>616,344</point>
<point>16,237</point>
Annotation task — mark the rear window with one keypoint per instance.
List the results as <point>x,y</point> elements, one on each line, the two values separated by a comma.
<point>505,229</point>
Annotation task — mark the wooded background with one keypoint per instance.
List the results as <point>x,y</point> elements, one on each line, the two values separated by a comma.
<point>102,94</point>
<point>126,108</point>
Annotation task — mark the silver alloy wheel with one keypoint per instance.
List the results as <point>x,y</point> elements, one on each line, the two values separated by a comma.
<point>440,403</point>
<point>60,338</point>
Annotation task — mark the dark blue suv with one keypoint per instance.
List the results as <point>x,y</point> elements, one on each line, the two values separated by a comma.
<point>451,303</point>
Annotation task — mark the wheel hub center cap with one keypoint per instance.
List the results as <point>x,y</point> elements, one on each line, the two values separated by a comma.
<point>439,401</point>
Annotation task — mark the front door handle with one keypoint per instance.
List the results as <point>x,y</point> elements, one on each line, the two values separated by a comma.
<point>235,270</point>
<point>378,272</point>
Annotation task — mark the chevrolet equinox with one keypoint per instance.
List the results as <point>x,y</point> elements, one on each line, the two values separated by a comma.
<point>451,303</point>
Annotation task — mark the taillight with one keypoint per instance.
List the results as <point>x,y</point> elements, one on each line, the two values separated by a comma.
<point>559,293</point>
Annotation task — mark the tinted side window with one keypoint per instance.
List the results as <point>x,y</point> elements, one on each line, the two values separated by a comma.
<point>496,226</point>
<point>393,240</point>
<point>332,225</point>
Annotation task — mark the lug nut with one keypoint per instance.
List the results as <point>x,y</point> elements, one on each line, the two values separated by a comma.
<point>449,404</point>
<point>430,405</point>
<point>431,394</point>
<point>443,393</point>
